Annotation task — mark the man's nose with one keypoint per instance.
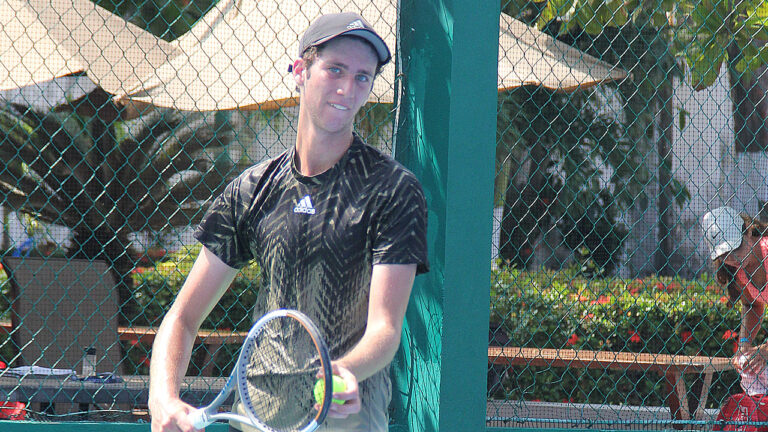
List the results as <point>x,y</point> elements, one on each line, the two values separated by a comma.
<point>345,86</point>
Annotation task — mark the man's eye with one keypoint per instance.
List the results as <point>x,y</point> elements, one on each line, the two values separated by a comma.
<point>363,78</point>
<point>334,70</point>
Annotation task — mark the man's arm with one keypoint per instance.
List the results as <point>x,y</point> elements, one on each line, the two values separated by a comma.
<point>391,286</point>
<point>207,281</point>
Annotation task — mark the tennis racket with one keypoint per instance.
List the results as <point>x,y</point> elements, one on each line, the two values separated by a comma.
<point>275,374</point>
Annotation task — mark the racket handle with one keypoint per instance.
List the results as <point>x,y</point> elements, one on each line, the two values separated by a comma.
<point>199,418</point>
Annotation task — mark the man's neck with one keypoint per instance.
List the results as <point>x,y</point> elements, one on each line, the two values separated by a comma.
<point>316,153</point>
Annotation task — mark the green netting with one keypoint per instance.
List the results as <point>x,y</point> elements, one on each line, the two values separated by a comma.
<point>597,252</point>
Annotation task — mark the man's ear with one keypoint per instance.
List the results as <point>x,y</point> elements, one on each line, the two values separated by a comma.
<point>298,72</point>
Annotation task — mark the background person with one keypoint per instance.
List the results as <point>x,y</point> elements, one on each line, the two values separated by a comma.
<point>738,247</point>
<point>338,228</point>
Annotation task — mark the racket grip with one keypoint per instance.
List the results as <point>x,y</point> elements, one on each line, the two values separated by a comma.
<point>199,418</point>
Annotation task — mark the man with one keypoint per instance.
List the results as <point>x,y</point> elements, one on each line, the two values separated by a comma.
<point>338,228</point>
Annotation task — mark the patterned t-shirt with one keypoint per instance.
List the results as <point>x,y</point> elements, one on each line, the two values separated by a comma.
<point>318,238</point>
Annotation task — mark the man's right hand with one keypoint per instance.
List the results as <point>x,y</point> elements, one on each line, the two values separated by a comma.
<point>171,415</point>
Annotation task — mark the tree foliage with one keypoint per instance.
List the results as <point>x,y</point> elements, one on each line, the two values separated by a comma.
<point>700,29</point>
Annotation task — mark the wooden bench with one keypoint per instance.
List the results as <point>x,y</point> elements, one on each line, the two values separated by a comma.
<point>212,339</point>
<point>672,367</point>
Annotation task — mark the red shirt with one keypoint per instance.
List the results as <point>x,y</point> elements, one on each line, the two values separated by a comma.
<point>752,293</point>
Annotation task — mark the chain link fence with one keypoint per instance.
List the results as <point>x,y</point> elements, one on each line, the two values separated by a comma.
<point>605,311</point>
<point>603,294</point>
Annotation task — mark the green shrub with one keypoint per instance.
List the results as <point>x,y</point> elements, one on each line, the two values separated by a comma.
<point>547,309</point>
<point>156,287</point>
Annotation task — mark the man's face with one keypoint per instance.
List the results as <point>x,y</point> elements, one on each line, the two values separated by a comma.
<point>337,84</point>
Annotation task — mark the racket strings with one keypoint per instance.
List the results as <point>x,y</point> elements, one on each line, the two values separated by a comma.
<point>281,372</point>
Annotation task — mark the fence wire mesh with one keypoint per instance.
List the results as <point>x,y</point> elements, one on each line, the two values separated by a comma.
<point>604,298</point>
<point>605,309</point>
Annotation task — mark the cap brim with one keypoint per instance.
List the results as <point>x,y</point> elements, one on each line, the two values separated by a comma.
<point>723,248</point>
<point>382,50</point>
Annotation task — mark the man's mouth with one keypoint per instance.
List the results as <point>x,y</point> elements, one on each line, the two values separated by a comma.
<point>339,107</point>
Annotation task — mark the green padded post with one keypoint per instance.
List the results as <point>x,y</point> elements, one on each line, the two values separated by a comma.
<point>446,136</point>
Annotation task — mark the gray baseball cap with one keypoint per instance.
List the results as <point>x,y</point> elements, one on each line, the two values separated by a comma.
<point>329,26</point>
<point>722,230</point>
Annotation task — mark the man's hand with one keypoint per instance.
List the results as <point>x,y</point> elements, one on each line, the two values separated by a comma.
<point>350,396</point>
<point>171,416</point>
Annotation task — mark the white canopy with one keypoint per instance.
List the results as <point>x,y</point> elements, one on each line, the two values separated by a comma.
<point>45,39</point>
<point>237,56</point>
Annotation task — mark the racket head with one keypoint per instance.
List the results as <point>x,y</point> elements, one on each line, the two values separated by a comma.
<point>277,369</point>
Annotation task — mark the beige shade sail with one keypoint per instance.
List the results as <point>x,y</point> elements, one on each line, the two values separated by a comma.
<point>238,57</point>
<point>528,56</point>
<point>45,39</point>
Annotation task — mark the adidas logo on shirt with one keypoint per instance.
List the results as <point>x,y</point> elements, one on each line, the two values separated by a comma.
<point>304,206</point>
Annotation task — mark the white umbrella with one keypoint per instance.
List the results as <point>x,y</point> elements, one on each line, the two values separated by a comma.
<point>237,57</point>
<point>530,57</point>
<point>45,39</point>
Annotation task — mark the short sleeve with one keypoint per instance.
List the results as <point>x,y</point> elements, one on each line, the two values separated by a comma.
<point>220,232</point>
<point>400,227</point>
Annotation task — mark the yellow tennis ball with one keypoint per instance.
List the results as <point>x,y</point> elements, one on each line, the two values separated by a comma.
<point>338,386</point>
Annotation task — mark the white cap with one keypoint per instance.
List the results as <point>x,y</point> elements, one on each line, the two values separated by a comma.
<point>722,230</point>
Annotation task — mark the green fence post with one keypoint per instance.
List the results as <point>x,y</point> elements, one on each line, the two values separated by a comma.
<point>446,136</point>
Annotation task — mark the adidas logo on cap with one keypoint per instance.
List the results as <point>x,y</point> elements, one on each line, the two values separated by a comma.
<point>356,24</point>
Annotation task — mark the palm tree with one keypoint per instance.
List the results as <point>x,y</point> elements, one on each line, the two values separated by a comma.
<point>106,179</point>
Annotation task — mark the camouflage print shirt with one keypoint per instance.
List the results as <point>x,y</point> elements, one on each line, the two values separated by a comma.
<point>318,238</point>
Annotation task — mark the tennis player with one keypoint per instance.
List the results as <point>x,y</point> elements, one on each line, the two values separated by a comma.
<point>338,228</point>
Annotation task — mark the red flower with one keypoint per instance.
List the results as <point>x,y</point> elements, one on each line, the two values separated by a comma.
<point>674,286</point>
<point>635,337</point>
<point>144,360</point>
<point>723,299</point>
<point>660,286</point>
<point>634,290</point>
<point>686,335</point>
<point>3,365</point>
<point>603,299</point>
<point>589,316</point>
<point>583,298</point>
<point>729,334</point>
<point>572,340</point>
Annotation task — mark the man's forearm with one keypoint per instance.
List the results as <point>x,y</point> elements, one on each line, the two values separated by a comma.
<point>171,353</point>
<point>374,352</point>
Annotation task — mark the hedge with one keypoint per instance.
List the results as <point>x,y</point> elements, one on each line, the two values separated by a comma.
<point>546,309</point>
<point>550,309</point>
<point>155,288</point>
